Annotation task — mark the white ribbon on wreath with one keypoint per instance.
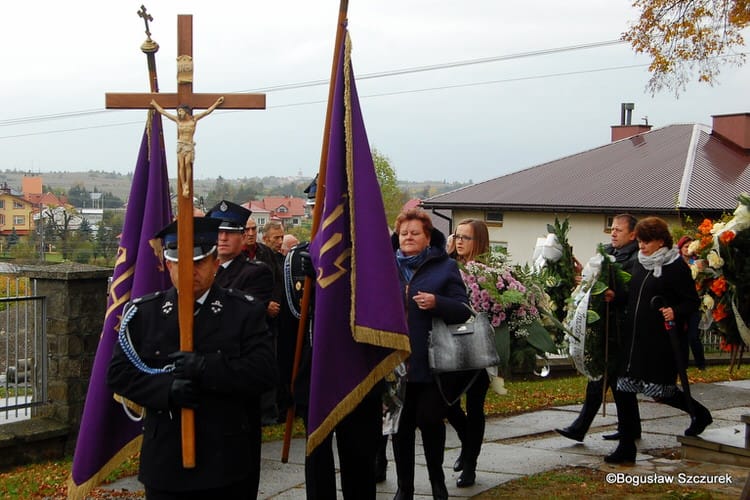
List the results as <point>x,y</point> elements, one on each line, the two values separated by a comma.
<point>577,320</point>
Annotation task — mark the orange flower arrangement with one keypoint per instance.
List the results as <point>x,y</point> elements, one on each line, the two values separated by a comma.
<point>720,312</point>
<point>726,237</point>
<point>719,286</point>
<point>706,226</point>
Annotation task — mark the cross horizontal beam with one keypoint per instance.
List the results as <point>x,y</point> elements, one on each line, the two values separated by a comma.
<point>115,100</point>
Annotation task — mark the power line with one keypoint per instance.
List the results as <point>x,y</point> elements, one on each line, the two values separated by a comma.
<point>366,76</point>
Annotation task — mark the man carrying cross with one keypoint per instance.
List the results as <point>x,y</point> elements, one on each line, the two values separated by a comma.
<point>222,379</point>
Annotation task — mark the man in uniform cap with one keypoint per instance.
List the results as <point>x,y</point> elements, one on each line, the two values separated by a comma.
<point>222,379</point>
<point>237,270</point>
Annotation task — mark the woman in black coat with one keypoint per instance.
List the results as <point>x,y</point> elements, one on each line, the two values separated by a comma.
<point>432,286</point>
<point>661,295</point>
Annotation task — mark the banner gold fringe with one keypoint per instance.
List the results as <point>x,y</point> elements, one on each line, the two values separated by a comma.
<point>79,491</point>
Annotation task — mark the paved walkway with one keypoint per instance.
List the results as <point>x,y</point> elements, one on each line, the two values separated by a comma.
<point>526,444</point>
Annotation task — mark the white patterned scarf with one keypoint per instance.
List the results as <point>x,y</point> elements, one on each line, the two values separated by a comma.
<point>656,260</point>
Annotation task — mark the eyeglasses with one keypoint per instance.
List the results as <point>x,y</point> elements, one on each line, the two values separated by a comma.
<point>462,237</point>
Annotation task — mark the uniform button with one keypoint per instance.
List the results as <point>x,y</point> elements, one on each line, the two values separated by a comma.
<point>157,352</point>
<point>219,351</point>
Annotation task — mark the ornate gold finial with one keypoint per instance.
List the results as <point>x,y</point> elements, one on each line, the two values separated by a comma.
<point>149,45</point>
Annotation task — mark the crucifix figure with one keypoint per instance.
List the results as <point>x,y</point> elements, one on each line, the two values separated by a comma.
<point>186,123</point>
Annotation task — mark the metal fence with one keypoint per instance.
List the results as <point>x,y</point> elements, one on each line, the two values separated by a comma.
<point>23,349</point>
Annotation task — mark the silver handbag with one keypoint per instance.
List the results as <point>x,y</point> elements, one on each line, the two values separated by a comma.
<point>463,346</point>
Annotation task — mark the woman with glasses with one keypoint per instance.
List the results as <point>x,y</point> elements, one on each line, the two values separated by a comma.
<point>470,241</point>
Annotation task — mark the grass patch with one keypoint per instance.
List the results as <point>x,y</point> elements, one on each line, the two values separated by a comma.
<point>47,479</point>
<point>583,482</point>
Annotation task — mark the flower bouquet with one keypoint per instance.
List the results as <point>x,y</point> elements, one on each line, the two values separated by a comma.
<point>722,273</point>
<point>722,276</point>
<point>511,301</point>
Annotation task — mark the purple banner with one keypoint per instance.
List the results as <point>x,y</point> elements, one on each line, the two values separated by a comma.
<point>359,331</point>
<point>107,436</point>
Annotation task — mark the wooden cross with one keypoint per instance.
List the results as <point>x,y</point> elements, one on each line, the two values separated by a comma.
<point>184,97</point>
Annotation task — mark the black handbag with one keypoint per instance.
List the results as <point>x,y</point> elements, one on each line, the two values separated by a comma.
<point>464,346</point>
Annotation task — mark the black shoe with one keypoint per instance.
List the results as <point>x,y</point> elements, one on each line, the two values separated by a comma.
<point>467,478</point>
<point>698,424</point>
<point>403,495</point>
<point>615,436</point>
<point>458,465</point>
<point>624,454</point>
<point>439,491</point>
<point>571,433</point>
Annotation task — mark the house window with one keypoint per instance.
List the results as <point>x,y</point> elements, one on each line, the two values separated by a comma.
<point>499,246</point>
<point>17,204</point>
<point>261,221</point>
<point>608,221</point>
<point>2,219</point>
<point>295,221</point>
<point>19,220</point>
<point>282,209</point>
<point>494,218</point>
<point>2,203</point>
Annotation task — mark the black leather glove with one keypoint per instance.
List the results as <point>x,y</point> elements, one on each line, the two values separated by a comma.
<point>183,393</point>
<point>306,264</point>
<point>188,365</point>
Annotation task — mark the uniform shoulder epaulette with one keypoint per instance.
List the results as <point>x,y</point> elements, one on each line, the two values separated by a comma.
<point>239,294</point>
<point>146,298</point>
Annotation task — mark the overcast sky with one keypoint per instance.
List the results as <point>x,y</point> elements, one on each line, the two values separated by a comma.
<point>470,122</point>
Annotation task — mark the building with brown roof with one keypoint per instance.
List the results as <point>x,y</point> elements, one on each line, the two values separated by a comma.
<point>673,172</point>
<point>289,209</point>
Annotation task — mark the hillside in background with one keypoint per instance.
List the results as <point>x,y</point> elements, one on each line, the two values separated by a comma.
<point>119,184</point>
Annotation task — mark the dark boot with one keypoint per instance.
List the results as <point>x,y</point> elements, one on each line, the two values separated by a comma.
<point>458,465</point>
<point>591,404</point>
<point>623,454</point>
<point>439,491</point>
<point>468,476</point>
<point>403,495</point>
<point>699,421</point>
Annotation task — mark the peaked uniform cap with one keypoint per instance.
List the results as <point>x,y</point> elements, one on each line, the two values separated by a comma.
<point>231,215</point>
<point>205,235</point>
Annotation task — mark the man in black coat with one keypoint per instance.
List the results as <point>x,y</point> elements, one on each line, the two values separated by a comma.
<point>624,248</point>
<point>236,270</point>
<point>222,380</point>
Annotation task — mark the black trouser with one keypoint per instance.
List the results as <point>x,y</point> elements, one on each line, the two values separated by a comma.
<point>593,401</point>
<point>470,426</point>
<point>245,489</point>
<point>424,408</point>
<point>357,438</point>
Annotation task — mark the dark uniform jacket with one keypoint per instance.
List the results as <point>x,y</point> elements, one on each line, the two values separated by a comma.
<point>230,330</point>
<point>266,255</point>
<point>249,276</point>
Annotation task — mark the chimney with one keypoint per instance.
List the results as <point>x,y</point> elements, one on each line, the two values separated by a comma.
<point>734,128</point>
<point>625,129</point>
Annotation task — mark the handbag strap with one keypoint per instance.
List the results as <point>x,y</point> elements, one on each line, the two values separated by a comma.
<point>461,393</point>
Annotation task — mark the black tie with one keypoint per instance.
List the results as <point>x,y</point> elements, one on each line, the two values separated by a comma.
<point>196,308</point>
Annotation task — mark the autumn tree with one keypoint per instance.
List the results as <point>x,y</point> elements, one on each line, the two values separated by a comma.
<point>393,197</point>
<point>685,37</point>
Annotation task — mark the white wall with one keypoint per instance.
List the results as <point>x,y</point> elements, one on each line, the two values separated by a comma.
<point>521,229</point>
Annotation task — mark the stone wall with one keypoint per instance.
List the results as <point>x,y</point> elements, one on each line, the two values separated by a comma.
<point>76,298</point>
